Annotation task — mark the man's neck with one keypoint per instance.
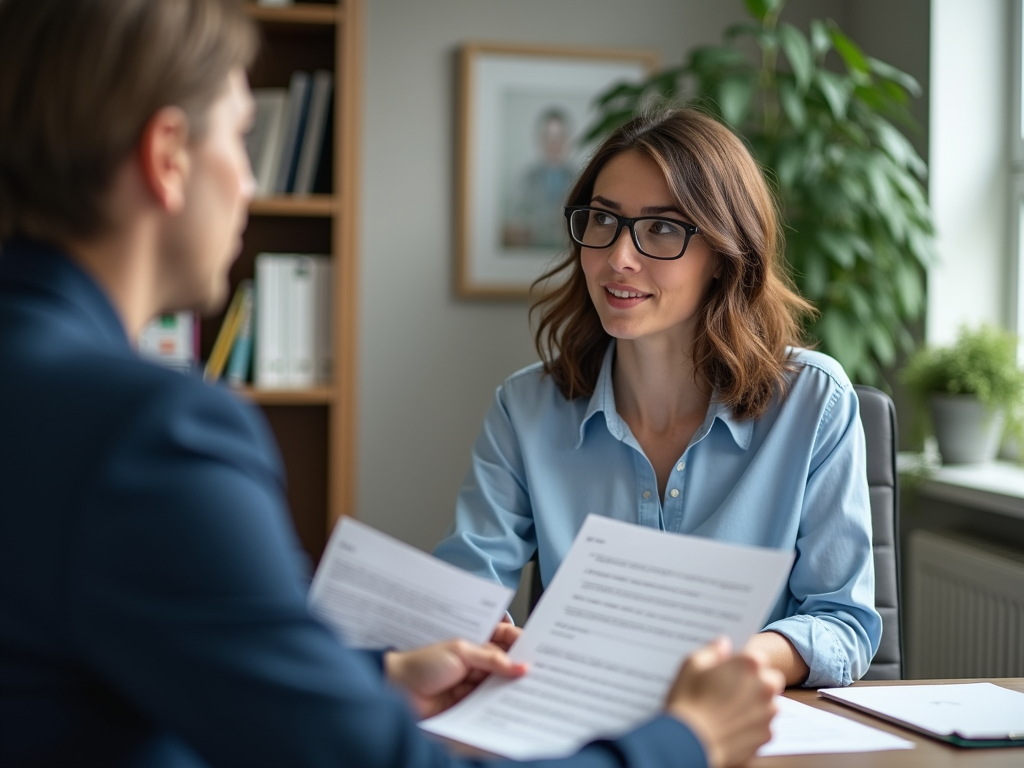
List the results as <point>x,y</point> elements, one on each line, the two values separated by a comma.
<point>124,264</point>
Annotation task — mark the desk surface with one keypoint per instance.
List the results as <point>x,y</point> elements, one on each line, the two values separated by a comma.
<point>927,752</point>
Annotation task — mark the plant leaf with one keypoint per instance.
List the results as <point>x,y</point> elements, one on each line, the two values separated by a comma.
<point>798,51</point>
<point>821,40</point>
<point>617,92</point>
<point>734,96</point>
<point>889,72</point>
<point>832,87</point>
<point>838,247</point>
<point>758,8</point>
<point>792,104</point>
<point>851,53</point>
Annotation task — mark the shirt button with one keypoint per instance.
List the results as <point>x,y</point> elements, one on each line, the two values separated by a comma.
<point>680,466</point>
<point>647,494</point>
<point>674,493</point>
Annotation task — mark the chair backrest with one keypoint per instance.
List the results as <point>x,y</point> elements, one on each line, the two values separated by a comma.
<point>878,415</point>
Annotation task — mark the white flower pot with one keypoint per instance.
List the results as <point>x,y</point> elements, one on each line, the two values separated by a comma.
<point>967,432</point>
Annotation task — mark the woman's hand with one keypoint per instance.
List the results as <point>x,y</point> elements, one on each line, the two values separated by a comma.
<point>438,676</point>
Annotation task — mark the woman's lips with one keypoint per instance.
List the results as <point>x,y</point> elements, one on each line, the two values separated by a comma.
<point>624,296</point>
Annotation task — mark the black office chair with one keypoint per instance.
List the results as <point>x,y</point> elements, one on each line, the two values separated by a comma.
<point>878,415</point>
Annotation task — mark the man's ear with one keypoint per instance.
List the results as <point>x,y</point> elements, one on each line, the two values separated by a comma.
<point>163,157</point>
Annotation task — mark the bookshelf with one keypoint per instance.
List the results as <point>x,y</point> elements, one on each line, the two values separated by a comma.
<point>315,428</point>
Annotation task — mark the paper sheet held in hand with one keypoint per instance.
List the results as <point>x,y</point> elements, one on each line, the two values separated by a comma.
<point>627,605</point>
<point>378,592</point>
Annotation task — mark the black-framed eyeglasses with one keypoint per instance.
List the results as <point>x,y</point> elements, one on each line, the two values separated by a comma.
<point>654,236</point>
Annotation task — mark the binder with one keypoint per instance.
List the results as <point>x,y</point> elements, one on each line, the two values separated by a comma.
<point>964,714</point>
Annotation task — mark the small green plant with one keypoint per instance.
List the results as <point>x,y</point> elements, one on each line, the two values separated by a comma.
<point>821,117</point>
<point>982,362</point>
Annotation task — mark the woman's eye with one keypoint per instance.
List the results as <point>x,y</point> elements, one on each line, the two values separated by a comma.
<point>662,227</point>
<point>603,219</point>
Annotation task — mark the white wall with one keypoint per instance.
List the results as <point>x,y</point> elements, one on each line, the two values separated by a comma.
<point>968,159</point>
<point>429,362</point>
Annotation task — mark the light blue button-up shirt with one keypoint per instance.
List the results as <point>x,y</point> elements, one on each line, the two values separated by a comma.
<point>793,479</point>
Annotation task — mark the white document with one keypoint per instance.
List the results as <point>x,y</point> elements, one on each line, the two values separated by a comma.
<point>607,638</point>
<point>799,729</point>
<point>378,592</point>
<point>969,711</point>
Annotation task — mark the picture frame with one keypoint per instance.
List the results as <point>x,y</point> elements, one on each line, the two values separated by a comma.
<point>522,113</point>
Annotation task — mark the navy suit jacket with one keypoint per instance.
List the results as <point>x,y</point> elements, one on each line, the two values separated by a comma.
<point>152,591</point>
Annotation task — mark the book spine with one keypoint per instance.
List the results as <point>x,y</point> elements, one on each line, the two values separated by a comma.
<point>171,340</point>
<point>225,338</point>
<point>312,140</point>
<point>324,342</point>
<point>298,102</point>
<point>267,136</point>
<point>300,325</point>
<point>269,372</point>
<point>241,353</point>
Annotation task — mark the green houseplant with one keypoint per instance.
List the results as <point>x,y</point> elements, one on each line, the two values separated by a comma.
<point>859,230</point>
<point>969,392</point>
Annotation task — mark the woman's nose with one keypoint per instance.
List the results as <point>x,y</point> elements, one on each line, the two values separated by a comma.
<point>622,254</point>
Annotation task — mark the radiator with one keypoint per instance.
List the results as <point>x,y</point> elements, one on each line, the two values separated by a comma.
<point>966,608</point>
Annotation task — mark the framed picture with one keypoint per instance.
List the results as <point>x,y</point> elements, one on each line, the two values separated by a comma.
<point>523,113</point>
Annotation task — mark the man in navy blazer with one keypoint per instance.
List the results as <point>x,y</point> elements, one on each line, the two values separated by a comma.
<point>152,595</point>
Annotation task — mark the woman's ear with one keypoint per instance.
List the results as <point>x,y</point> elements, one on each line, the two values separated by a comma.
<point>164,159</point>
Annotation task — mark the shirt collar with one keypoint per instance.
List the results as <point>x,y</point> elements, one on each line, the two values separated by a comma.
<point>46,270</point>
<point>603,401</point>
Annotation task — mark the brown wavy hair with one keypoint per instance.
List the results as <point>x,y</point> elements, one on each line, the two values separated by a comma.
<point>751,312</point>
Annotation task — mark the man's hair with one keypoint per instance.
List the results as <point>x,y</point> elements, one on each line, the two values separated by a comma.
<point>79,81</point>
<point>750,313</point>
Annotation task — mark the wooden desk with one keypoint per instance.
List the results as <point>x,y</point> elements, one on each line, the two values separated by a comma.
<point>927,752</point>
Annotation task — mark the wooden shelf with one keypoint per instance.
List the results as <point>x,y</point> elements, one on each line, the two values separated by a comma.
<point>298,14</point>
<point>312,396</point>
<point>290,205</point>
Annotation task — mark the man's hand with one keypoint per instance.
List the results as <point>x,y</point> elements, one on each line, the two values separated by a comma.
<point>438,676</point>
<point>505,634</point>
<point>727,700</point>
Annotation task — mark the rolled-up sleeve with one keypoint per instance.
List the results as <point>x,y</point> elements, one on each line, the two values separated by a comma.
<point>834,625</point>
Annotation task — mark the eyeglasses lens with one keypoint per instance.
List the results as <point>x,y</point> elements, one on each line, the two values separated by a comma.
<point>660,238</point>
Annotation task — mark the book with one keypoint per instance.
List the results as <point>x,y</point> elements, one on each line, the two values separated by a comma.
<point>298,104</point>
<point>323,345</point>
<point>171,340</point>
<point>266,136</point>
<point>313,136</point>
<point>299,323</point>
<point>293,341</point>
<point>323,179</point>
<point>237,372</point>
<point>225,338</point>
<point>268,372</point>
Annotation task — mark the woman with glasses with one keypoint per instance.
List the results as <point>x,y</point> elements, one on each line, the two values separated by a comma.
<point>673,392</point>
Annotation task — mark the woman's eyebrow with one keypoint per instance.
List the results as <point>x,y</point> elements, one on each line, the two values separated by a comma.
<point>652,210</point>
<point>647,210</point>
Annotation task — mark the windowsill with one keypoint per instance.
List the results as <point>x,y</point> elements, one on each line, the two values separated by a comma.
<point>995,487</point>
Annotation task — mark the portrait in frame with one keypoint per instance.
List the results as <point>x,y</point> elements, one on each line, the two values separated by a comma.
<point>523,115</point>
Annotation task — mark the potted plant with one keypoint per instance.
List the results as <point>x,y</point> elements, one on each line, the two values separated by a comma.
<point>860,230</point>
<point>971,392</point>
